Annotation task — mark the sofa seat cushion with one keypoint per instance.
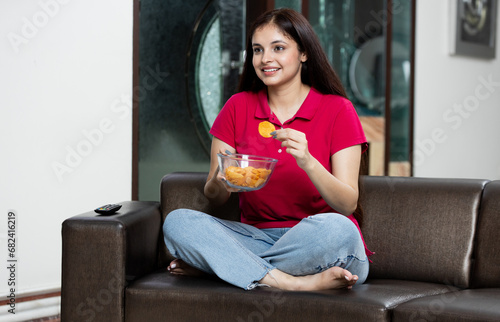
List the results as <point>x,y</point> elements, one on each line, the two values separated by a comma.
<point>467,305</point>
<point>161,296</point>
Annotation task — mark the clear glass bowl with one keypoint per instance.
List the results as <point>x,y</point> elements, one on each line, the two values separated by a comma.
<point>246,172</point>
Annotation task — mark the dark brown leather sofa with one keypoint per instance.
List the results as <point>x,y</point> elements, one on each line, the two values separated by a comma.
<point>437,259</point>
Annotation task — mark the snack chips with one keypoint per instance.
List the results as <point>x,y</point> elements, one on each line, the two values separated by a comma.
<point>265,129</point>
<point>247,177</point>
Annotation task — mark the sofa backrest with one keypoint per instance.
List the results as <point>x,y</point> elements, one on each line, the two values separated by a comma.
<point>421,229</point>
<point>486,269</point>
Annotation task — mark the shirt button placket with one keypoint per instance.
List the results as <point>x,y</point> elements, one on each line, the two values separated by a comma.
<point>280,149</point>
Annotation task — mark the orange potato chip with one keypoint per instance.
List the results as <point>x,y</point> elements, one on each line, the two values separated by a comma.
<point>247,177</point>
<point>265,129</point>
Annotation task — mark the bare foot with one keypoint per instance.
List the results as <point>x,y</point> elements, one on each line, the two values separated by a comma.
<point>179,267</point>
<point>332,278</point>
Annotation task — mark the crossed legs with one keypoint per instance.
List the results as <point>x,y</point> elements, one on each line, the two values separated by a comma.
<point>299,258</point>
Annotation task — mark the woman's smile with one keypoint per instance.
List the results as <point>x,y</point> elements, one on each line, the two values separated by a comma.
<point>270,71</point>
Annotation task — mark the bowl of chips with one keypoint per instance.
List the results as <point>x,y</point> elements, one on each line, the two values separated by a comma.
<point>246,172</point>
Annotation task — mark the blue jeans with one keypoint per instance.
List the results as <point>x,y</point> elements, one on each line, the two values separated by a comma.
<point>242,254</point>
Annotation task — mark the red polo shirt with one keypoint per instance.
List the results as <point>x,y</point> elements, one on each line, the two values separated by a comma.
<point>330,124</point>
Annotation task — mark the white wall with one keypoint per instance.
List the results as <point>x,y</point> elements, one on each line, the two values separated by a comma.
<point>65,124</point>
<point>457,116</point>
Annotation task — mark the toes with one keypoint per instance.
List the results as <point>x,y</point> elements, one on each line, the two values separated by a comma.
<point>352,281</point>
<point>348,276</point>
<point>175,266</point>
<point>177,263</point>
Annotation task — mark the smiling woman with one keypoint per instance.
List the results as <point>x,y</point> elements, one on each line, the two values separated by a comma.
<point>287,84</point>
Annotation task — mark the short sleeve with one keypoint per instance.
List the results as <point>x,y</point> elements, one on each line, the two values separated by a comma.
<point>225,123</point>
<point>347,129</point>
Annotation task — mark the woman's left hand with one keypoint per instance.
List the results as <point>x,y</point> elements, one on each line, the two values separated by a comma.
<point>338,188</point>
<point>295,143</point>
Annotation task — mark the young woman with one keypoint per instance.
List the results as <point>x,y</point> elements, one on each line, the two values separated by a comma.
<point>299,231</point>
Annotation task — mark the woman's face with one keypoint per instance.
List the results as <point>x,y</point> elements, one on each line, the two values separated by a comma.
<point>276,57</point>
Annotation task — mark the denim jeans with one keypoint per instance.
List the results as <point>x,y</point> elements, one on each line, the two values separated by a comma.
<point>242,254</point>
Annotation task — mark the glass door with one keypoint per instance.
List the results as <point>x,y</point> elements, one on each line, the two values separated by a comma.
<point>214,63</point>
<point>189,59</point>
<point>355,36</point>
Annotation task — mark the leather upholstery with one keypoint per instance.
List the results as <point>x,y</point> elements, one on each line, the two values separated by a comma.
<point>159,295</point>
<point>468,305</point>
<point>421,229</point>
<point>487,255</point>
<point>434,239</point>
<point>99,255</point>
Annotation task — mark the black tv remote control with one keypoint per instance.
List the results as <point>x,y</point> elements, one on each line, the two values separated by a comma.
<point>108,209</point>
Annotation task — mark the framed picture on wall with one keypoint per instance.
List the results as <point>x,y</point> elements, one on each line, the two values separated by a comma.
<point>473,28</point>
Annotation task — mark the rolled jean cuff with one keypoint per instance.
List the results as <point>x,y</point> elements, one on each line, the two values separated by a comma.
<point>256,283</point>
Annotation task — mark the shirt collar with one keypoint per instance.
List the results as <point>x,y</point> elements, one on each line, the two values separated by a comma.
<point>306,111</point>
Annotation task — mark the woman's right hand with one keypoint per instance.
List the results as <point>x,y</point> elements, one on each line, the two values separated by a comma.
<point>216,188</point>
<point>222,179</point>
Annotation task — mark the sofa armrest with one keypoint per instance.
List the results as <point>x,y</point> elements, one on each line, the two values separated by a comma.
<point>101,253</point>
